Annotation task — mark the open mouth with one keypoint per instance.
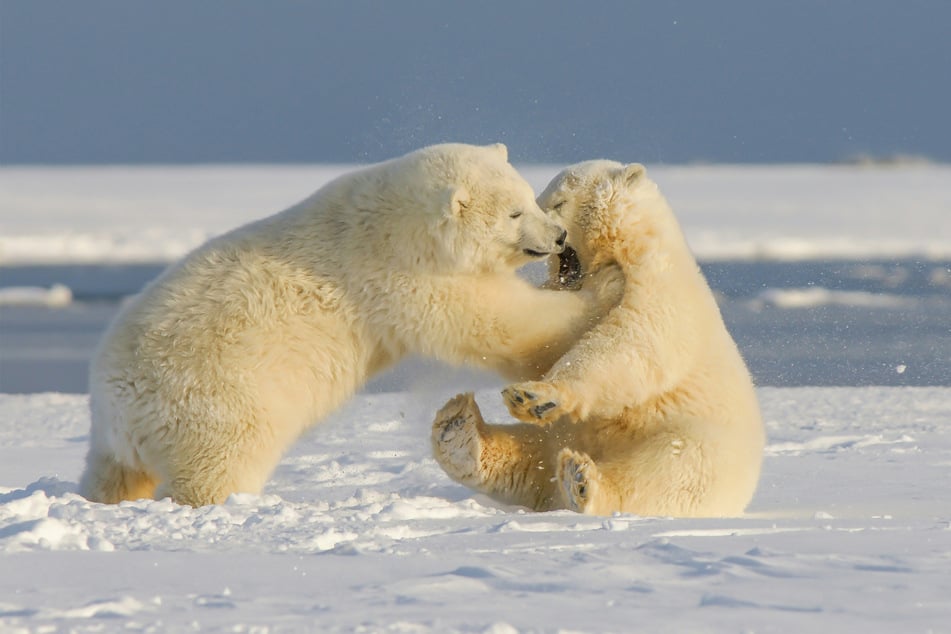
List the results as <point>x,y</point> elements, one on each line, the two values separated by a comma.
<point>535,254</point>
<point>569,269</point>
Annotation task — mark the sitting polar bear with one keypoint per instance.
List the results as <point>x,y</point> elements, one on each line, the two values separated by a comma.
<point>206,377</point>
<point>653,411</point>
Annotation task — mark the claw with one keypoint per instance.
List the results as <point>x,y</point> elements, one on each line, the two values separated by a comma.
<point>539,410</point>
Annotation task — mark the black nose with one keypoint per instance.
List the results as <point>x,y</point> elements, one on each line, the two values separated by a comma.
<point>561,239</point>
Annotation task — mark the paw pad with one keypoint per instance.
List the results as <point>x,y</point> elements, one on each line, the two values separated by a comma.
<point>577,475</point>
<point>451,427</point>
<point>533,402</point>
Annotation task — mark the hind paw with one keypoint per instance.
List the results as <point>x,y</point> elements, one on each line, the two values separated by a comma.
<point>456,439</point>
<point>577,478</point>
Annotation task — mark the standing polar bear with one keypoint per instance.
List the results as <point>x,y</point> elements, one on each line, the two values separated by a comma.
<point>206,377</point>
<point>652,411</point>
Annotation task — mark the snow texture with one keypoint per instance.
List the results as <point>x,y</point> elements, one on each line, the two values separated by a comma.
<point>360,530</point>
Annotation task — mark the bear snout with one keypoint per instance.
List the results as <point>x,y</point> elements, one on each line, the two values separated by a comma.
<point>555,247</point>
<point>559,242</point>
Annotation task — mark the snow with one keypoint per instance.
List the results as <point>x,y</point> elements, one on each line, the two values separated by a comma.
<point>360,530</point>
<point>57,295</point>
<point>817,296</point>
<point>786,212</point>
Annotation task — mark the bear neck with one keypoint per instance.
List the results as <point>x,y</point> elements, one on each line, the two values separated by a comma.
<point>647,218</point>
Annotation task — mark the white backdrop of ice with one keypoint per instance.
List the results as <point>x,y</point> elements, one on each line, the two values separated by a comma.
<point>135,214</point>
<point>56,295</point>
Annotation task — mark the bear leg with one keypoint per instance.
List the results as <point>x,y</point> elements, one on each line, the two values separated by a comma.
<point>198,471</point>
<point>509,463</point>
<point>209,484</point>
<point>214,477</point>
<point>108,481</point>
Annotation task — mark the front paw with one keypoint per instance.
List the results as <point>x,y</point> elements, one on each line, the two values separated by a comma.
<point>533,402</point>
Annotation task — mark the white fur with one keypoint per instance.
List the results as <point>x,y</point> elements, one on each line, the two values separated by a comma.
<point>653,411</point>
<point>207,376</point>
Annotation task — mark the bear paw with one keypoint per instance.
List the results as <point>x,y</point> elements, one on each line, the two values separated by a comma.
<point>457,440</point>
<point>533,402</point>
<point>577,478</point>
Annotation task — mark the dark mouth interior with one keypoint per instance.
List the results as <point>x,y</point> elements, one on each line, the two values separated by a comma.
<point>569,268</point>
<point>535,254</point>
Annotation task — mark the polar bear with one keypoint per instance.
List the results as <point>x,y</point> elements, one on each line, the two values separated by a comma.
<point>206,377</point>
<point>653,411</point>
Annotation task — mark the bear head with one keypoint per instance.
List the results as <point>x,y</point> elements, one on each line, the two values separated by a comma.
<point>479,214</point>
<point>606,208</point>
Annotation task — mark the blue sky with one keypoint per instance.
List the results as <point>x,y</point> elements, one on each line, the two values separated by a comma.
<point>129,81</point>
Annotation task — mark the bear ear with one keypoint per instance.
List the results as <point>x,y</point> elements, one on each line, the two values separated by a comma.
<point>500,149</point>
<point>631,173</point>
<point>458,201</point>
<point>571,179</point>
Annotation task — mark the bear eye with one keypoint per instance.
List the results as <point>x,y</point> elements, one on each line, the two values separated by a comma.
<point>515,214</point>
<point>558,206</point>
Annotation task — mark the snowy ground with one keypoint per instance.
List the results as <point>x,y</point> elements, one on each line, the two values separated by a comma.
<point>359,530</point>
<point>850,531</point>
